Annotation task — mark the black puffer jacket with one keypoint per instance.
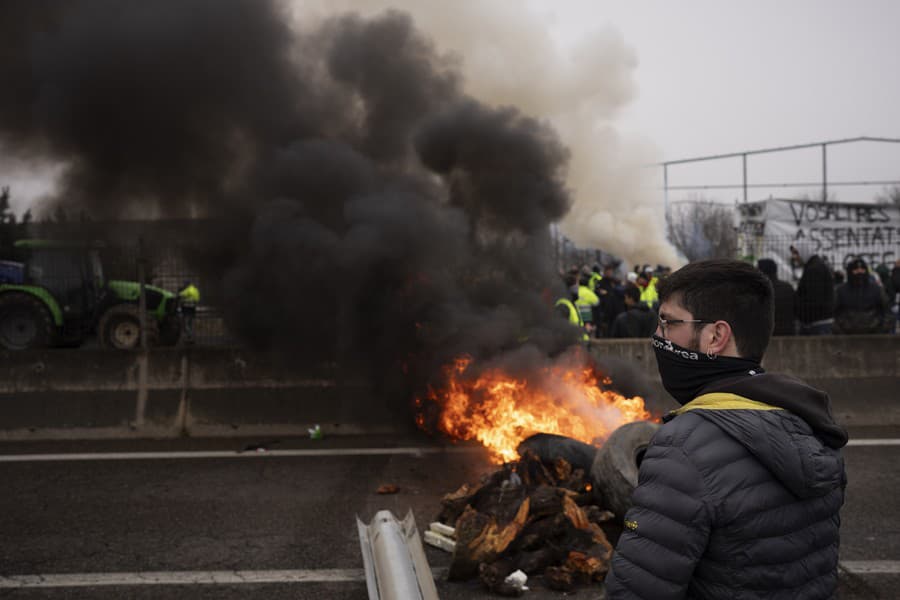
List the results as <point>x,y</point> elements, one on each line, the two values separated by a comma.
<point>738,497</point>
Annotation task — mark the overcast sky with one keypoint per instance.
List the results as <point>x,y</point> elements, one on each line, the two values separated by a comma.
<point>717,77</point>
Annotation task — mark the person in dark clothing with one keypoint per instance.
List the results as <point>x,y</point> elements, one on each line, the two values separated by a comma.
<point>884,275</point>
<point>838,277</point>
<point>860,304</point>
<point>612,300</point>
<point>895,301</point>
<point>784,298</point>
<point>638,321</point>
<point>895,277</point>
<point>739,491</point>
<point>814,298</point>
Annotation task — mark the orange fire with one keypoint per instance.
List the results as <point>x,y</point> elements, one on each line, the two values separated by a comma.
<point>500,411</point>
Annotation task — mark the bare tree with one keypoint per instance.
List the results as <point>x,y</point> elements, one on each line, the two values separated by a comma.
<point>7,216</point>
<point>702,229</point>
<point>8,229</point>
<point>890,196</point>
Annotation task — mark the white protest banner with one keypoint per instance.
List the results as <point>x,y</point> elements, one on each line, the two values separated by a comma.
<point>838,231</point>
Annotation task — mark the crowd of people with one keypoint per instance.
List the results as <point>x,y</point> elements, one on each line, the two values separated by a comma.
<point>826,301</point>
<point>608,305</point>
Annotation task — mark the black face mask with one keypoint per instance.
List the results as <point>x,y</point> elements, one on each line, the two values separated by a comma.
<point>859,279</point>
<point>686,372</point>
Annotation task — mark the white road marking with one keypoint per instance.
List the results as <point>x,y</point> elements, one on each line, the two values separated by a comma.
<point>871,567</point>
<point>182,578</point>
<point>71,580</point>
<point>413,451</point>
<point>874,442</point>
<point>192,454</point>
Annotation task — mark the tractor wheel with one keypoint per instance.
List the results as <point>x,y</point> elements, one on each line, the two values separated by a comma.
<point>25,322</point>
<point>615,469</point>
<point>120,328</point>
<point>170,330</point>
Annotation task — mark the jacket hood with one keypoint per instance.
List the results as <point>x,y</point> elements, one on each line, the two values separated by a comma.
<point>800,447</point>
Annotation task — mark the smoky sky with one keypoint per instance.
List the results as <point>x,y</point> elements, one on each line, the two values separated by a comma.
<point>384,217</point>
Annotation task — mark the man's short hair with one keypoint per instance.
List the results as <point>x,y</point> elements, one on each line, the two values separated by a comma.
<point>727,290</point>
<point>632,291</point>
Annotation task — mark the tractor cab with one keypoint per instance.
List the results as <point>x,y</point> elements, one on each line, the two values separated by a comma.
<point>72,273</point>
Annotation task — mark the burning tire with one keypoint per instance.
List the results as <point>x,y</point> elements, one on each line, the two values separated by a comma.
<point>549,447</point>
<point>615,469</point>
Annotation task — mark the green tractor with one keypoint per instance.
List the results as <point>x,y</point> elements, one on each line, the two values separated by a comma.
<point>54,294</point>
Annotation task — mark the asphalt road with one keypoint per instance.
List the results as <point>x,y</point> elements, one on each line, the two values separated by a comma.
<point>171,522</point>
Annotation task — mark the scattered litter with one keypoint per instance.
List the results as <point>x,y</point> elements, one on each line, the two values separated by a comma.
<point>442,529</point>
<point>315,433</point>
<point>387,488</point>
<point>517,580</point>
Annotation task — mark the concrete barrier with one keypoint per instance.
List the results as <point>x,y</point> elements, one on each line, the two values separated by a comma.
<point>90,393</point>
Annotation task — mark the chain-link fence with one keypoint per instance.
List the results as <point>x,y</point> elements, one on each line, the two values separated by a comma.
<point>825,297</point>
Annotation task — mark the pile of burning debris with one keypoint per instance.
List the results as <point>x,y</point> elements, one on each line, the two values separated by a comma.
<point>553,512</point>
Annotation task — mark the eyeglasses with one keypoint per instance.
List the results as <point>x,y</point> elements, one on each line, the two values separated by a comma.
<point>665,323</point>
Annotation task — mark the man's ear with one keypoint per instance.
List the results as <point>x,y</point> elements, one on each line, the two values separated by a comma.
<point>722,341</point>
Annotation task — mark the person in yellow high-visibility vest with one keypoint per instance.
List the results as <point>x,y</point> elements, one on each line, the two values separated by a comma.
<point>568,309</point>
<point>573,315</point>
<point>189,298</point>
<point>649,295</point>
<point>595,278</point>
<point>586,302</point>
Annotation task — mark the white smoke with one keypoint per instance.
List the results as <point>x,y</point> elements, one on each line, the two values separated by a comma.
<point>509,57</point>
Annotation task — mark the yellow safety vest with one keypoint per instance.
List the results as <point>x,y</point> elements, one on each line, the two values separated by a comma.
<point>594,280</point>
<point>574,315</point>
<point>190,295</point>
<point>649,295</point>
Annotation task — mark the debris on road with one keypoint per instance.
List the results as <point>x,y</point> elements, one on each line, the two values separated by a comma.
<point>439,541</point>
<point>533,517</point>
<point>441,536</point>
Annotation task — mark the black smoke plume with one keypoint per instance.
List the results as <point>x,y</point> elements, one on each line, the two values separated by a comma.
<point>382,216</point>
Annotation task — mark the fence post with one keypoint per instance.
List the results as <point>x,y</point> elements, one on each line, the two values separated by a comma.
<point>143,357</point>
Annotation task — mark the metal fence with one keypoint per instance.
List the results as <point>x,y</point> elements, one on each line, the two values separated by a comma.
<point>166,268</point>
<point>81,286</point>
<point>778,248</point>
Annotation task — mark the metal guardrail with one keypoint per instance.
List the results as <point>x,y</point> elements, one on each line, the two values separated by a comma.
<point>394,559</point>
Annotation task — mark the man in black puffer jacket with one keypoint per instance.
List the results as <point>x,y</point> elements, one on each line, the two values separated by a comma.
<point>740,490</point>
